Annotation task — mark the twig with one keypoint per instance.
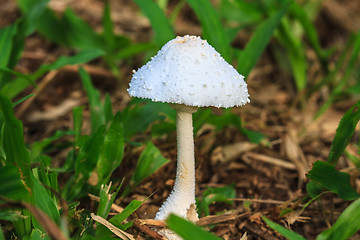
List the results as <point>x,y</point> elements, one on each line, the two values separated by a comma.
<point>114,207</point>
<point>256,200</point>
<point>142,228</point>
<point>267,159</point>
<point>118,232</point>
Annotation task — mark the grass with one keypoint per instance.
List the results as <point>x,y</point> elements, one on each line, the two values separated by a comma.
<point>35,201</point>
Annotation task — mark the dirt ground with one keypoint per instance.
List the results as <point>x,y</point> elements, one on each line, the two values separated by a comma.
<point>273,171</point>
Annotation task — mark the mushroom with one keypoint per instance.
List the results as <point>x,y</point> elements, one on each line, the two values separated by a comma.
<point>189,73</point>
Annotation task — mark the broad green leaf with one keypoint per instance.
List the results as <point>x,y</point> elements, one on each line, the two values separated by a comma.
<point>188,230</point>
<point>138,117</point>
<point>213,30</point>
<point>346,225</point>
<point>11,185</point>
<point>324,173</point>
<point>283,231</point>
<point>159,23</point>
<point>113,149</point>
<point>79,33</point>
<point>344,133</point>
<point>314,189</point>
<point>96,108</point>
<point>255,47</point>
<point>33,11</point>
<point>13,141</point>
<point>149,162</point>
<point>214,195</point>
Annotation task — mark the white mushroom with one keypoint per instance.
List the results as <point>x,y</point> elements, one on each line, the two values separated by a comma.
<point>195,76</point>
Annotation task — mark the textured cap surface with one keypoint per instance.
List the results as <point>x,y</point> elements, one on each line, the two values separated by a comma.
<point>187,70</point>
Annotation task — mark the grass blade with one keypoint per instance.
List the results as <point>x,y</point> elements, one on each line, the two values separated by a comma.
<point>113,150</point>
<point>188,230</point>
<point>11,185</point>
<point>13,141</point>
<point>254,48</point>
<point>160,24</point>
<point>96,107</point>
<point>213,31</point>
<point>283,231</point>
<point>44,201</point>
<point>345,226</point>
<point>344,133</point>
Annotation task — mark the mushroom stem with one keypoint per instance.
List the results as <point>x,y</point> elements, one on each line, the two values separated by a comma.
<point>181,200</point>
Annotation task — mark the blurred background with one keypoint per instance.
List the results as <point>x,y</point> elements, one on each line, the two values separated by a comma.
<point>66,65</point>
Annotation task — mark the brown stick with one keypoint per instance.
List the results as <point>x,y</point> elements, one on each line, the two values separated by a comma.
<point>144,229</point>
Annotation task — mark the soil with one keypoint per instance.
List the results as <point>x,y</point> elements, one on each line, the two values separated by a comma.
<point>273,171</point>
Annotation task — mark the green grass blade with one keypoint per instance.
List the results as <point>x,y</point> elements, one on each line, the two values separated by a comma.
<point>77,122</point>
<point>188,230</point>
<point>106,200</point>
<point>213,31</point>
<point>44,201</point>
<point>14,87</point>
<point>283,231</point>
<point>6,45</point>
<point>254,48</point>
<point>324,173</point>
<point>128,210</point>
<point>349,69</point>
<point>88,155</point>
<point>37,148</point>
<point>13,141</point>
<point>83,56</point>
<point>108,27</point>
<point>295,52</point>
<point>344,133</point>
<point>11,185</point>
<point>108,109</point>
<point>113,149</point>
<point>310,31</point>
<point>96,107</point>
<point>159,23</point>
<point>345,226</point>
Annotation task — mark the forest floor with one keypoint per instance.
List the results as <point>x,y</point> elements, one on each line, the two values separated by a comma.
<point>269,177</point>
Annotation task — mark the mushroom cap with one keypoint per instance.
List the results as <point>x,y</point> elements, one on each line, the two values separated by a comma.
<point>187,70</point>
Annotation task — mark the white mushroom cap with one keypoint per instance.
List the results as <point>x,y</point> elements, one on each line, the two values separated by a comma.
<point>187,70</point>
